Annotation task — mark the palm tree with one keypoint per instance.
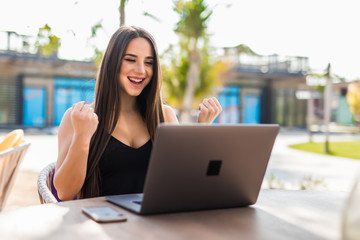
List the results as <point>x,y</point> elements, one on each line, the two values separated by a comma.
<point>192,25</point>
<point>122,12</point>
<point>175,67</point>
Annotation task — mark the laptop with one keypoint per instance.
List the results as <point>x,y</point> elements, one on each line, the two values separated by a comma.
<point>203,166</point>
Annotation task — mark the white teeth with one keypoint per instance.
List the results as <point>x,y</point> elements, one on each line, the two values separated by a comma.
<point>135,80</point>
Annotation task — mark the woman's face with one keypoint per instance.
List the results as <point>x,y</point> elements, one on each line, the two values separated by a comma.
<point>136,67</point>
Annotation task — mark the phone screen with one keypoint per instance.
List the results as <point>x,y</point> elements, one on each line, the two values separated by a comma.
<point>104,214</point>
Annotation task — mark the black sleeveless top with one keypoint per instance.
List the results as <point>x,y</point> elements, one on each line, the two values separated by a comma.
<point>123,168</point>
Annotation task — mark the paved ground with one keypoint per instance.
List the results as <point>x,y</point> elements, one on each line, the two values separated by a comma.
<point>288,168</point>
<point>293,168</point>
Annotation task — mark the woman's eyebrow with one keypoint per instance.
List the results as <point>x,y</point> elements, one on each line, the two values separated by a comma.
<point>133,55</point>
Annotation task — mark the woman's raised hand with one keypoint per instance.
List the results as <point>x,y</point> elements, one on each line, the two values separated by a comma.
<point>210,108</point>
<point>84,120</point>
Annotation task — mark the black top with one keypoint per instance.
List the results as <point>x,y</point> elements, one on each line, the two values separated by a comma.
<point>123,168</point>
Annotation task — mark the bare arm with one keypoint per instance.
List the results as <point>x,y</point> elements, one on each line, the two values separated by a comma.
<point>169,115</point>
<point>76,129</point>
<point>209,109</point>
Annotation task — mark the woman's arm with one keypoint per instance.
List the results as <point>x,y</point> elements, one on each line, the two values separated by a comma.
<point>76,129</point>
<point>209,109</point>
<point>169,115</point>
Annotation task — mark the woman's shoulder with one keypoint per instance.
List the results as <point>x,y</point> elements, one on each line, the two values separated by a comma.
<point>169,114</point>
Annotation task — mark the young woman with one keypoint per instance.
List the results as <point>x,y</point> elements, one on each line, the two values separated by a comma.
<point>104,148</point>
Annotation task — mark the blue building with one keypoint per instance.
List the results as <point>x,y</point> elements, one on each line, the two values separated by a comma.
<point>35,91</point>
<point>262,89</point>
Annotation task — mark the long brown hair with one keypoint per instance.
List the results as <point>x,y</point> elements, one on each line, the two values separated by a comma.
<point>107,101</point>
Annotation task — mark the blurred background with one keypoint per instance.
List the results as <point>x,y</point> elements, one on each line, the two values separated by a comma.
<point>266,61</point>
<point>294,63</point>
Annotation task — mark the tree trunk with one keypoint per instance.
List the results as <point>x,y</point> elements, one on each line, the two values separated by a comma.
<point>192,77</point>
<point>327,108</point>
<point>310,114</point>
<point>122,12</point>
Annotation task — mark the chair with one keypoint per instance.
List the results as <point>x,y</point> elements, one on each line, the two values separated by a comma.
<point>10,160</point>
<point>44,184</point>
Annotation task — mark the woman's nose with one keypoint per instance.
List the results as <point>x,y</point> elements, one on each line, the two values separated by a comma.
<point>140,68</point>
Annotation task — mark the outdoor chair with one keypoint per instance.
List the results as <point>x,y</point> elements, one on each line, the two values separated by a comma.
<point>10,160</point>
<point>44,184</point>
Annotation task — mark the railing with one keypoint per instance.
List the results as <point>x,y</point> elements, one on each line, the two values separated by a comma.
<point>12,41</point>
<point>271,64</point>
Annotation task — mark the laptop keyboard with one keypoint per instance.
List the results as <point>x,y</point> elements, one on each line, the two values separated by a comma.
<point>137,202</point>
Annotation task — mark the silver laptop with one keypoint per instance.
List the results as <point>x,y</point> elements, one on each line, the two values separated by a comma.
<point>200,166</point>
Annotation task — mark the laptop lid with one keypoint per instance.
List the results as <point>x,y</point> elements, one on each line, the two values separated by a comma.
<point>201,166</point>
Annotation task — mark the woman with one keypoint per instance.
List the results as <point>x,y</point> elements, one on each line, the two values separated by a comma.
<point>104,148</point>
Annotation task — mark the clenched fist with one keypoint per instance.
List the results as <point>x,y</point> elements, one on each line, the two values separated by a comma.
<point>209,109</point>
<point>84,120</point>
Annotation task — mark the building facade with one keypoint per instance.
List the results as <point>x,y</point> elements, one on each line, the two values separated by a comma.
<point>263,89</point>
<point>35,91</point>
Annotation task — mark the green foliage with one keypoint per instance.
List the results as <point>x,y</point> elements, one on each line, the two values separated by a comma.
<point>174,77</point>
<point>95,28</point>
<point>174,74</point>
<point>97,57</point>
<point>353,99</point>
<point>47,44</point>
<point>320,88</point>
<point>274,183</point>
<point>242,48</point>
<point>208,75</point>
<point>147,14</point>
<point>340,149</point>
<point>308,182</point>
<point>98,54</point>
<point>193,17</point>
<point>311,183</point>
<point>319,76</point>
<point>191,29</point>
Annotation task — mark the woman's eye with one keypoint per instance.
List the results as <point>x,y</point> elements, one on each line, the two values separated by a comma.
<point>149,63</point>
<point>129,60</point>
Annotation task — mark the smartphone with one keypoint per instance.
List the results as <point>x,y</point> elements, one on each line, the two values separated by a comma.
<point>104,214</point>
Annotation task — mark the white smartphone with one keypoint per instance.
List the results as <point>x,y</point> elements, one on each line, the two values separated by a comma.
<point>104,214</point>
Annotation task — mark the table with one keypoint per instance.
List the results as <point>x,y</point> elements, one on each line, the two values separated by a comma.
<point>278,214</point>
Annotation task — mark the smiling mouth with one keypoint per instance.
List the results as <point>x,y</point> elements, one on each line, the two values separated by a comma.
<point>137,81</point>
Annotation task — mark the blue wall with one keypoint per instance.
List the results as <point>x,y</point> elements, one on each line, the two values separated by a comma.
<point>343,114</point>
<point>69,91</point>
<point>251,108</point>
<point>230,102</point>
<point>34,106</point>
<point>235,105</point>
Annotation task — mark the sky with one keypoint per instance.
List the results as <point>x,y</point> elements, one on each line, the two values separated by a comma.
<point>325,31</point>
